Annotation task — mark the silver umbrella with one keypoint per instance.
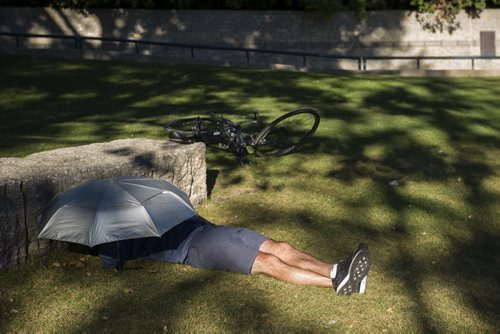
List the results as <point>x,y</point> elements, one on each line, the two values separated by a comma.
<point>115,209</point>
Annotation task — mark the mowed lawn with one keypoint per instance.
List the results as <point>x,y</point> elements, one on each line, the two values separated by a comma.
<point>409,165</point>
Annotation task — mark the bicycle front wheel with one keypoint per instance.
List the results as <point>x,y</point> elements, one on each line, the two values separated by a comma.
<point>189,130</point>
<point>286,133</point>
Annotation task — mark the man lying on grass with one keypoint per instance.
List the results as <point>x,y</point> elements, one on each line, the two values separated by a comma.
<point>201,244</point>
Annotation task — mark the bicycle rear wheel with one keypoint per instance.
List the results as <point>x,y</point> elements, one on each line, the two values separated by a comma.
<point>189,130</point>
<point>286,133</point>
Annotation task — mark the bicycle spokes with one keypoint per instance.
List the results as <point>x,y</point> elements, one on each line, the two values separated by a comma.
<point>286,133</point>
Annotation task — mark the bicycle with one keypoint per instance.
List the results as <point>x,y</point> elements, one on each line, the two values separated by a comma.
<point>282,136</point>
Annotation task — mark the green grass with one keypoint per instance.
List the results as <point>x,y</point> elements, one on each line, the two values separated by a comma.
<point>434,237</point>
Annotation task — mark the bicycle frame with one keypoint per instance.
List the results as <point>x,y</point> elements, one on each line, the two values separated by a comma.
<point>229,133</point>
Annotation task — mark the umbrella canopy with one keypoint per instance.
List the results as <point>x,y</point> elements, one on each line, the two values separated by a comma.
<point>115,209</point>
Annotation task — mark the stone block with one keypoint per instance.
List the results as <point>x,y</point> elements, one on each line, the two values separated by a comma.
<point>27,184</point>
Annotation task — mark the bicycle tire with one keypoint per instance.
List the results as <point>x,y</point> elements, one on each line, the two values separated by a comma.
<point>189,130</point>
<point>276,138</point>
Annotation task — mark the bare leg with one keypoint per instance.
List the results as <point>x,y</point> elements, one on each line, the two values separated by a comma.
<point>271,265</point>
<point>295,258</point>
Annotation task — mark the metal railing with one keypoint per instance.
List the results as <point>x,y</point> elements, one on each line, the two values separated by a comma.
<point>361,60</point>
<point>418,59</point>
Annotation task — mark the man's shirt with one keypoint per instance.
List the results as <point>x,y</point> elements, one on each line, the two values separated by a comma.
<point>173,246</point>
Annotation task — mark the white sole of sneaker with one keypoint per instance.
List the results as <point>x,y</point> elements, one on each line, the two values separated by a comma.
<point>362,285</point>
<point>355,280</point>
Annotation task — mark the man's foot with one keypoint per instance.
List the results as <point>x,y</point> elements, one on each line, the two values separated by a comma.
<point>349,276</point>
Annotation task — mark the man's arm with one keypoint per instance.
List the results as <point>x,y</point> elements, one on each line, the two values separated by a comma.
<point>110,256</point>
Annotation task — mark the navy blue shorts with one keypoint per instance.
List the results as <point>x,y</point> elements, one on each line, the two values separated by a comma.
<point>225,248</point>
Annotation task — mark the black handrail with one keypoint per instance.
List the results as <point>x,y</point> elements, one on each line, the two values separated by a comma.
<point>419,58</point>
<point>79,45</point>
<point>362,60</point>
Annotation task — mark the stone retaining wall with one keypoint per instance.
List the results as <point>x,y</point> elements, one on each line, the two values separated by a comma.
<point>386,33</point>
<point>380,33</point>
<point>27,184</point>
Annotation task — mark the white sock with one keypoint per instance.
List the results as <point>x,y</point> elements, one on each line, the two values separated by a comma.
<point>333,271</point>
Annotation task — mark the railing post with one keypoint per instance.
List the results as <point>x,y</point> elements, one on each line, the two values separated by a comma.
<point>248,56</point>
<point>136,47</point>
<point>360,61</point>
<point>472,63</point>
<point>78,42</point>
<point>192,52</point>
<point>364,64</point>
<point>304,60</point>
<point>17,42</point>
<point>418,64</point>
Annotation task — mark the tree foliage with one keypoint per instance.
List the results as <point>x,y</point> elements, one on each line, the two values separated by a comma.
<point>440,15</point>
<point>423,6</point>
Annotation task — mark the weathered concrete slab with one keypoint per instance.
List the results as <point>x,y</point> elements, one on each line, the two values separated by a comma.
<point>27,184</point>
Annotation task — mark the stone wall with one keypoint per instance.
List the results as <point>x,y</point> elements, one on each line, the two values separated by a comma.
<point>381,33</point>
<point>27,184</point>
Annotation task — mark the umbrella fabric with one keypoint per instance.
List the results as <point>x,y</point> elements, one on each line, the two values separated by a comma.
<point>108,210</point>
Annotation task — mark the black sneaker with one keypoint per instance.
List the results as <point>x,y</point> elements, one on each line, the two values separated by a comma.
<point>350,275</point>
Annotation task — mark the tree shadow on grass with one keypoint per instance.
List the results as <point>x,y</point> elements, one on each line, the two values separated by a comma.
<point>465,155</point>
<point>184,305</point>
<point>409,160</point>
<point>178,298</point>
<point>372,128</point>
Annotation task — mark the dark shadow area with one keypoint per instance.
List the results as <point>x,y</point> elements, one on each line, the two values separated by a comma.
<point>144,160</point>
<point>123,152</point>
<point>212,175</point>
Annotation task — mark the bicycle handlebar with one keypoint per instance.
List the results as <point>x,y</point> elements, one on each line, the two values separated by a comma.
<point>255,119</point>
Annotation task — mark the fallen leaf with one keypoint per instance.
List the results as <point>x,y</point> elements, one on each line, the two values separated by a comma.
<point>56,265</point>
<point>13,310</point>
<point>105,317</point>
<point>127,290</point>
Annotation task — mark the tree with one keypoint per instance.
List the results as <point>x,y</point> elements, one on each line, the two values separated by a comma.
<point>441,15</point>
